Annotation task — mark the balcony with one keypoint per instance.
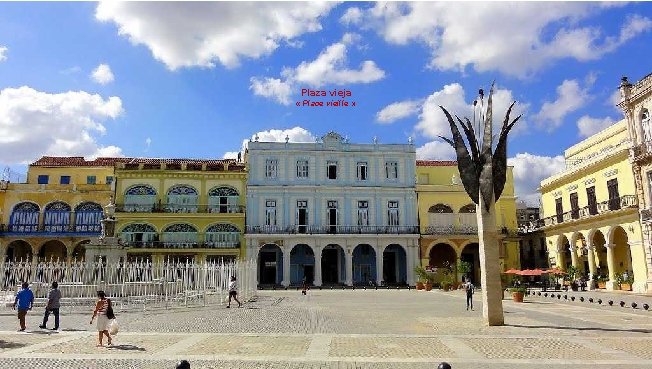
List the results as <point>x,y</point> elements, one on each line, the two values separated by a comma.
<point>615,204</point>
<point>50,230</point>
<point>646,215</point>
<point>642,151</point>
<point>182,209</point>
<point>452,223</point>
<point>333,229</point>
<point>181,245</point>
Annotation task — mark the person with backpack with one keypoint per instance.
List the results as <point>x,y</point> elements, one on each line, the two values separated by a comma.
<point>53,305</point>
<point>24,300</point>
<point>104,313</point>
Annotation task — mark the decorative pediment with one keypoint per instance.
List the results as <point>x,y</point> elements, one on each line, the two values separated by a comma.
<point>332,137</point>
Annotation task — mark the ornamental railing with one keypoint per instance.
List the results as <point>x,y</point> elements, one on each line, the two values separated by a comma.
<point>332,229</point>
<point>180,208</point>
<point>131,286</point>
<point>51,230</point>
<point>642,150</point>
<point>615,204</point>
<point>182,245</point>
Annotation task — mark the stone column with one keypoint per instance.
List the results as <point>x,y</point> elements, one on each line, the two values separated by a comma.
<point>573,252</point>
<point>286,267</point>
<point>348,266</point>
<point>379,264</point>
<point>489,242</point>
<point>411,259</point>
<point>318,281</point>
<point>591,257</point>
<point>611,264</point>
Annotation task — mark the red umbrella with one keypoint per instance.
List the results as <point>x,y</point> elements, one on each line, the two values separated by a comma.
<point>512,271</point>
<point>531,272</point>
<point>555,271</point>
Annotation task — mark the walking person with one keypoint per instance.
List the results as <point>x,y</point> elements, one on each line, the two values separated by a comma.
<point>53,305</point>
<point>102,306</point>
<point>24,300</point>
<point>304,285</point>
<point>233,292</point>
<point>470,289</point>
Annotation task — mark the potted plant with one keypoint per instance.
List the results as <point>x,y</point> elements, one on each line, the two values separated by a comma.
<point>463,268</point>
<point>625,280</point>
<point>422,275</point>
<point>518,293</point>
<point>601,281</point>
<point>430,279</point>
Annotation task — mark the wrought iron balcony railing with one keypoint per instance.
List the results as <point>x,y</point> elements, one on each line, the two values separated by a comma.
<point>451,229</point>
<point>615,204</point>
<point>332,229</point>
<point>646,214</point>
<point>182,245</point>
<point>642,150</point>
<point>178,208</point>
<point>51,229</point>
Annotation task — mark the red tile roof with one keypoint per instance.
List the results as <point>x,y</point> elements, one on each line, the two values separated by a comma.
<point>436,163</point>
<point>79,161</point>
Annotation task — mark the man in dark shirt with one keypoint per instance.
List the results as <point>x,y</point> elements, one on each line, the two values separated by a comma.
<point>53,305</point>
<point>24,300</point>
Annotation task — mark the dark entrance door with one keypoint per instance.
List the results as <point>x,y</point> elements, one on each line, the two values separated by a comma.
<point>309,273</point>
<point>614,197</point>
<point>332,220</point>
<point>329,266</point>
<point>389,267</point>
<point>267,267</point>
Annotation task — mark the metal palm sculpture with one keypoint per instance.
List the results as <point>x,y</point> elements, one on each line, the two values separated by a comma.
<point>483,174</point>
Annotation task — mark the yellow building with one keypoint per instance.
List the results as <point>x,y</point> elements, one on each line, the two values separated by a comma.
<point>448,223</point>
<point>590,211</point>
<point>181,209</point>
<point>636,103</point>
<point>57,210</point>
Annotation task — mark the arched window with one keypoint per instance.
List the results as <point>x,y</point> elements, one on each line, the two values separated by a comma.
<point>223,199</point>
<point>222,235</point>
<point>440,208</point>
<point>470,208</point>
<point>139,235</point>
<point>182,199</point>
<point>180,235</point>
<point>140,198</point>
<point>646,126</point>
<point>57,217</point>
<point>88,217</point>
<point>440,219</point>
<point>468,221</point>
<point>24,217</point>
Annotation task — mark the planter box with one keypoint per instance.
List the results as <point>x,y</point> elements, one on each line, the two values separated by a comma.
<point>625,286</point>
<point>420,286</point>
<point>518,296</point>
<point>602,285</point>
<point>428,286</point>
<point>445,288</point>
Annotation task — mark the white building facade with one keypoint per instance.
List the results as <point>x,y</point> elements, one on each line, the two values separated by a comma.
<point>332,212</point>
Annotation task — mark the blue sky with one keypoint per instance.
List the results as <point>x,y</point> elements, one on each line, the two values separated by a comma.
<point>196,80</point>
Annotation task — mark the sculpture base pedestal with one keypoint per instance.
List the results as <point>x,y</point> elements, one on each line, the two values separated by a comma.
<point>108,249</point>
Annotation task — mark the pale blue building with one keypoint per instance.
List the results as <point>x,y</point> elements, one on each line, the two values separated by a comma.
<point>332,212</point>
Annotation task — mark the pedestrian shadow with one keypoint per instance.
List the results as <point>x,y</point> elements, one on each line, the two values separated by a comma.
<point>11,345</point>
<point>126,347</point>
<point>636,330</point>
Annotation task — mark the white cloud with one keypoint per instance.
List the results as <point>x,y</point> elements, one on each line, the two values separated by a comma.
<point>295,134</point>
<point>3,53</point>
<point>272,88</point>
<point>102,74</point>
<point>530,170</point>
<point>570,98</point>
<point>398,110</point>
<point>614,100</point>
<point>203,33</point>
<point>35,123</point>
<point>328,68</point>
<point>436,150</point>
<point>588,126</point>
<point>433,122</point>
<point>148,144</point>
<point>517,39</point>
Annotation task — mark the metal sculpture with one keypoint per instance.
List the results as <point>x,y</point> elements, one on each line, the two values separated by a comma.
<point>483,175</point>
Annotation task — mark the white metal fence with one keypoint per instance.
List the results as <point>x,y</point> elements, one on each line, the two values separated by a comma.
<point>132,286</point>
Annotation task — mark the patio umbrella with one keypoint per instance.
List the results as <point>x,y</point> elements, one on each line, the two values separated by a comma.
<point>555,271</point>
<point>531,272</point>
<point>512,271</point>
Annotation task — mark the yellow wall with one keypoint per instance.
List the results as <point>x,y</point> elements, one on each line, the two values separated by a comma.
<point>78,175</point>
<point>202,181</point>
<point>435,185</point>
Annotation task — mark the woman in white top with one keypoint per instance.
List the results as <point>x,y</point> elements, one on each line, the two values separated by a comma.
<point>102,320</point>
<point>233,292</point>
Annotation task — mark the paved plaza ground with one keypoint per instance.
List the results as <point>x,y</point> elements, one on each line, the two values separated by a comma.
<point>347,329</point>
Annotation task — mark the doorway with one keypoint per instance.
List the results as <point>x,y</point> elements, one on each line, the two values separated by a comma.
<point>329,266</point>
<point>268,267</point>
<point>389,267</point>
